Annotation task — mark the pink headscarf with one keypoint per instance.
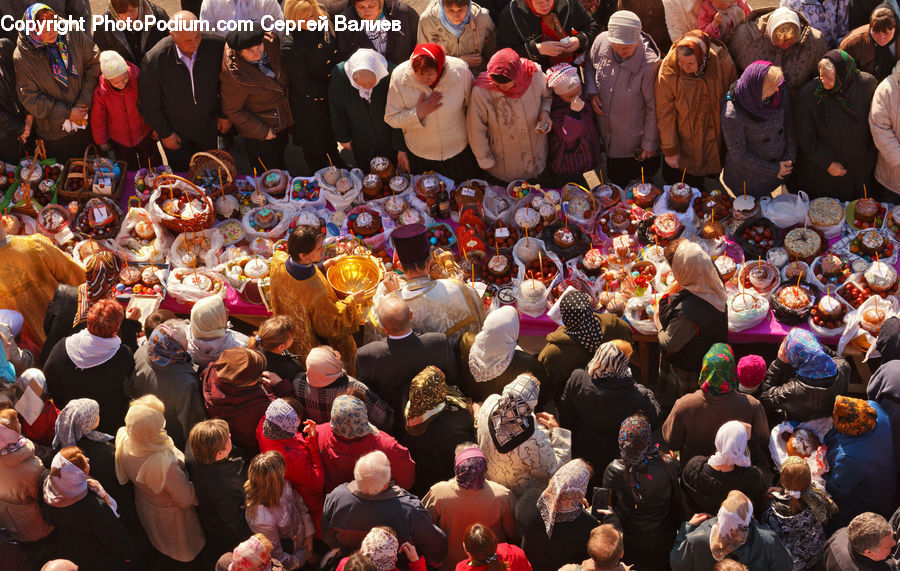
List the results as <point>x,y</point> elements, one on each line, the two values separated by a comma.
<point>507,63</point>
<point>323,366</point>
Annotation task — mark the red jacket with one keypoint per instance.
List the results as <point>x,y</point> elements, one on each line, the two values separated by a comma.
<point>114,113</point>
<point>512,555</point>
<point>340,455</point>
<point>44,428</point>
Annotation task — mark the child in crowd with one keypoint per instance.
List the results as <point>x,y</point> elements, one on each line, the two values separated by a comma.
<point>116,123</point>
<point>751,372</point>
<point>575,146</point>
<point>274,337</point>
<point>719,18</point>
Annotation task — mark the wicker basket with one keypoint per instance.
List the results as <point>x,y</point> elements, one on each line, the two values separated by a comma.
<point>175,223</point>
<point>83,169</point>
<point>214,160</point>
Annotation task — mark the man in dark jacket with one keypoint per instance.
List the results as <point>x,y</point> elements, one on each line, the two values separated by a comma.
<point>15,123</point>
<point>395,45</point>
<point>179,90</point>
<point>131,45</point>
<point>864,545</point>
<point>372,499</point>
<point>522,28</point>
<point>387,366</point>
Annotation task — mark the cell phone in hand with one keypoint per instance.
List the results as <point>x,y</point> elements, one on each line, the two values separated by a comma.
<point>600,500</point>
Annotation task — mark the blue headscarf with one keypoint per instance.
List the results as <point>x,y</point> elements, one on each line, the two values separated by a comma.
<point>164,348</point>
<point>58,51</point>
<point>450,26</point>
<point>806,355</point>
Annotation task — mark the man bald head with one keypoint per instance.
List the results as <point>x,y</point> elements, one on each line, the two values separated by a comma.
<point>185,32</point>
<point>59,565</point>
<point>394,315</point>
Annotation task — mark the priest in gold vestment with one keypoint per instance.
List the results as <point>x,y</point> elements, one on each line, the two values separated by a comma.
<point>30,269</point>
<point>446,306</point>
<point>300,291</point>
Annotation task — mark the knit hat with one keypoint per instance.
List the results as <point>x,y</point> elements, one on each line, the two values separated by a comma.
<point>751,371</point>
<point>112,64</point>
<point>563,78</point>
<point>243,39</point>
<point>853,417</point>
<point>624,27</point>
<point>240,366</point>
<point>781,16</point>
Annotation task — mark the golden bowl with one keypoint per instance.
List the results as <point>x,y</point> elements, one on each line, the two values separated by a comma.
<point>351,274</point>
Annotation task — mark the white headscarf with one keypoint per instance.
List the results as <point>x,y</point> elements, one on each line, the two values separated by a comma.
<point>732,527</point>
<point>731,445</point>
<point>88,350</point>
<point>782,16</point>
<point>369,60</point>
<point>495,344</point>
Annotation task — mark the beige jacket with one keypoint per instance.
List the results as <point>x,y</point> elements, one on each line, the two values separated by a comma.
<point>884,121</point>
<point>478,37</point>
<point>442,134</point>
<point>20,485</point>
<point>502,130</point>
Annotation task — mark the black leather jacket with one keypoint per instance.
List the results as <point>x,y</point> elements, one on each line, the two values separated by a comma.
<point>786,396</point>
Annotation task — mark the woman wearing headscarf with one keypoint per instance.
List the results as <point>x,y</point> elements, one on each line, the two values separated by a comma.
<point>836,148</point>
<point>438,420</point>
<point>326,379</point>
<point>884,384</point>
<point>279,430</point>
<point>37,411</point>
<point>644,493</point>
<point>803,380</point>
<point>758,129</point>
<point>20,483</point>
<point>381,547</point>
<point>874,46</point>
<point>56,75</point>
<point>254,93</point>
<point>575,342</point>
<point>703,541</point>
<point>555,526</point>
<point>860,454</point>
<point>253,554</point>
<point>692,315</point>
<point>831,17</point>
<point>389,27</point>
<point>508,119</point>
<point>164,496</point>
<point>357,99</point>
<point>798,513</point>
<point>708,479</point>
<point>598,398</point>
<point>781,36</point>
<point>131,44</point>
<point>89,532</point>
<point>490,359</point>
<point>67,312</point>
<point>687,428</point>
<point>163,367</point>
<point>236,390</point>
<point>620,75</point>
<point>522,450</point>
<point>349,435</point>
<point>463,28</point>
<point>546,31</point>
<point>210,333</point>
<point>693,78</point>
<point>308,57</point>
<point>427,100</point>
<point>94,363</point>
<point>468,498</point>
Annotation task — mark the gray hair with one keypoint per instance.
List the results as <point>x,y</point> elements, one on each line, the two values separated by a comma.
<point>372,473</point>
<point>826,66</point>
<point>866,531</point>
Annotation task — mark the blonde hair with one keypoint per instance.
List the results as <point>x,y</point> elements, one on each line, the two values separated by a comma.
<point>774,75</point>
<point>786,32</point>
<point>265,480</point>
<point>208,438</point>
<point>624,346</point>
<point>303,10</point>
<point>273,332</point>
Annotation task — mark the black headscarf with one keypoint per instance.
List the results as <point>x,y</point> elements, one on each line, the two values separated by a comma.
<point>581,322</point>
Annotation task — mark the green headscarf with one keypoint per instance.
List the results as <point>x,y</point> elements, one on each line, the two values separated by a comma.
<point>845,73</point>
<point>719,369</point>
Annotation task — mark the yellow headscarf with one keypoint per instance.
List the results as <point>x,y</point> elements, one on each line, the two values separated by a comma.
<point>144,435</point>
<point>694,271</point>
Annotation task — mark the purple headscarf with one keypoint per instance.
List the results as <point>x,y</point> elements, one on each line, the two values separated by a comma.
<point>749,88</point>
<point>470,469</point>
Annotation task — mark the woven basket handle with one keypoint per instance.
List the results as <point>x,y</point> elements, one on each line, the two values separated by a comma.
<point>221,164</point>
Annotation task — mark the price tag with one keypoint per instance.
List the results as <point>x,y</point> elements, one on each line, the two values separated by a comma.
<point>466,191</point>
<point>101,214</point>
<point>501,233</point>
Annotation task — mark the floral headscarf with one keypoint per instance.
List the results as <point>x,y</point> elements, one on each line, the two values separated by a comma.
<point>580,320</point>
<point>10,440</point>
<point>609,363</point>
<point>470,469</point>
<point>637,450</point>
<point>428,396</point>
<point>719,370</point>
<point>57,51</point>
<point>350,419</point>
<point>281,421</point>
<point>77,420</point>
<point>731,445</point>
<point>68,484</point>
<point>167,344</point>
<point>562,499</point>
<point>853,417</point>
<point>513,420</point>
<point>250,555</point>
<point>381,547</point>
<point>805,354</point>
<point>845,73</point>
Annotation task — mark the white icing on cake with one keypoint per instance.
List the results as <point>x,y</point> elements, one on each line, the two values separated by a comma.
<point>552,196</point>
<point>363,219</point>
<point>593,259</point>
<point>410,217</point>
<point>527,217</point>
<point>399,183</point>
<point>256,268</point>
<point>744,203</point>
<point>830,304</point>
<point>880,275</point>
<point>498,264</point>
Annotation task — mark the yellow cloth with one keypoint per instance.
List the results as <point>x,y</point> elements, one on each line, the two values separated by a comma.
<point>319,316</point>
<point>30,269</point>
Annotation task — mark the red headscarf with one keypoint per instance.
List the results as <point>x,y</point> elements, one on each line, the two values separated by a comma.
<point>433,52</point>
<point>507,63</point>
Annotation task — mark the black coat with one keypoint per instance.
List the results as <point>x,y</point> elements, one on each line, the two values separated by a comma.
<point>107,383</point>
<point>519,29</point>
<point>90,535</point>
<point>787,396</point>
<point>103,469</point>
<point>388,366</point>
<point>433,450</point>
<point>220,493</point>
<point>706,488</point>
<point>165,98</point>
<point>309,57</point>
<point>826,133</point>
<point>594,410</point>
<point>400,44</point>
<point>12,114</point>
<point>285,366</point>
<point>132,46</point>
<point>568,542</point>
<point>710,326</point>
<point>360,121</point>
